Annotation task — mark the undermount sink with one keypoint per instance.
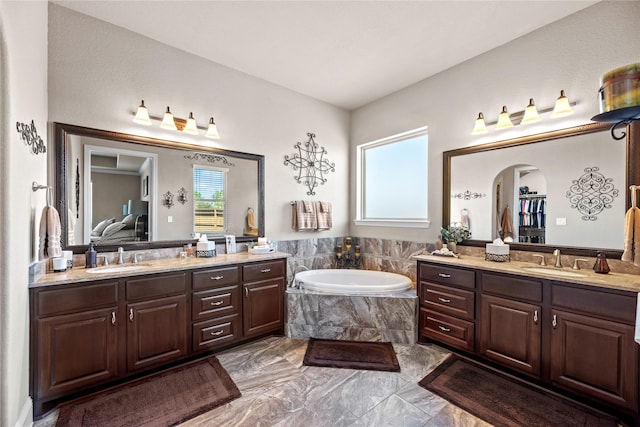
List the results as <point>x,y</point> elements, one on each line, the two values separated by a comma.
<point>553,272</point>
<point>115,269</point>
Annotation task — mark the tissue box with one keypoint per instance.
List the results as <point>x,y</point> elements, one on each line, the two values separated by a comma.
<point>498,253</point>
<point>205,249</point>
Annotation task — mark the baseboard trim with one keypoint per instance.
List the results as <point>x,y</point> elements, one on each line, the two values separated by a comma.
<point>26,415</point>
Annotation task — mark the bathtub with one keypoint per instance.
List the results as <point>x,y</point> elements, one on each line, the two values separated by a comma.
<point>351,282</point>
<point>352,305</point>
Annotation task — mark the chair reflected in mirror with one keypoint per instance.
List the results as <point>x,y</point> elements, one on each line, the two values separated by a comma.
<point>140,209</point>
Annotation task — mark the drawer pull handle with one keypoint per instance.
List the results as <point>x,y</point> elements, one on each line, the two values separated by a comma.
<point>246,292</point>
<point>216,333</point>
<point>217,302</point>
<point>444,300</point>
<point>443,329</point>
<point>554,322</point>
<point>217,277</point>
<point>535,317</point>
<point>444,275</point>
<point>265,270</point>
<point>131,314</point>
<point>113,317</point>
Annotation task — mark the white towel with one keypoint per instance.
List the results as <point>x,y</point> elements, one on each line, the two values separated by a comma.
<point>637,334</point>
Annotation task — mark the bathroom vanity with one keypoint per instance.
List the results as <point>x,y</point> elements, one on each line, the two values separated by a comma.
<point>89,330</point>
<point>570,330</point>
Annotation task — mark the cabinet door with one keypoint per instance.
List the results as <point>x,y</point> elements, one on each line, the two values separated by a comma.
<point>263,307</point>
<point>156,332</point>
<point>595,357</point>
<point>510,333</point>
<point>76,351</point>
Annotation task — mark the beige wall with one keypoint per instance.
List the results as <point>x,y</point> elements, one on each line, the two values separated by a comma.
<point>23,82</point>
<point>570,54</point>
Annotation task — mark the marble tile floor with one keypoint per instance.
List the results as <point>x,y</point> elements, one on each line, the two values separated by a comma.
<point>278,390</point>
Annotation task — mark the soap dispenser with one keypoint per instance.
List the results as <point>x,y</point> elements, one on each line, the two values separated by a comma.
<point>91,257</point>
<point>601,265</point>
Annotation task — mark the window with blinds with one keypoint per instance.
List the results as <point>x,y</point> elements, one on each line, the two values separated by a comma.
<point>210,203</point>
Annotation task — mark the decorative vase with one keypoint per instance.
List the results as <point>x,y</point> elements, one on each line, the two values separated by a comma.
<point>452,247</point>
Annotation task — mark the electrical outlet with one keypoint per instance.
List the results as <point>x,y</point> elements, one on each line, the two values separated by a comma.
<point>561,221</point>
<point>169,218</point>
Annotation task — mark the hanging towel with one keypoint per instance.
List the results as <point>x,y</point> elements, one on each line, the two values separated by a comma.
<point>506,223</point>
<point>71,228</point>
<point>637,332</point>
<point>50,231</point>
<point>323,213</point>
<point>250,229</point>
<point>303,216</point>
<point>629,226</point>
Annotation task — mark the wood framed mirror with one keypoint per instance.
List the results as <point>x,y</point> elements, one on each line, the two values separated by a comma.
<point>563,156</point>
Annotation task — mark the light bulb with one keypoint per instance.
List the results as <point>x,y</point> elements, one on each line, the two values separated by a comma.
<point>480,126</point>
<point>212,131</point>
<point>142,115</point>
<point>530,113</point>
<point>167,121</point>
<point>191,126</point>
<point>504,121</point>
<point>562,107</point>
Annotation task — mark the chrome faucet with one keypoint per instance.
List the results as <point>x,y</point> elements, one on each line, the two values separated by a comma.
<point>293,275</point>
<point>120,255</point>
<point>556,253</point>
<point>136,258</point>
<point>542,261</point>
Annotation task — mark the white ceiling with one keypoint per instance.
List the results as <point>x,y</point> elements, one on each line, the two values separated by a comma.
<point>346,53</point>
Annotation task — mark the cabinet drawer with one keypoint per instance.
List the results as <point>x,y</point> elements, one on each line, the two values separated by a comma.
<point>218,302</point>
<point>511,286</point>
<point>613,306</point>
<point>263,271</point>
<point>448,275</point>
<point>216,332</point>
<point>449,330</point>
<point>85,297</point>
<point>154,286</point>
<point>215,277</point>
<point>448,300</point>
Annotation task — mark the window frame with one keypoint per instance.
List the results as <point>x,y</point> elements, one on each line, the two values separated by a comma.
<point>224,200</point>
<point>360,182</point>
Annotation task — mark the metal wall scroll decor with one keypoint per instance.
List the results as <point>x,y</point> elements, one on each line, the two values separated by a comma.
<point>77,188</point>
<point>30,137</point>
<point>182,196</point>
<point>310,164</point>
<point>167,199</point>
<point>211,158</point>
<point>592,193</point>
<point>468,195</point>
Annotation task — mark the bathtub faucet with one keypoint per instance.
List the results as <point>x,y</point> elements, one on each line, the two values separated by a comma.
<point>292,283</point>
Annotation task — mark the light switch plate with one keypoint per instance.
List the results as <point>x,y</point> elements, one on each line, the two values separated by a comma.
<point>561,221</point>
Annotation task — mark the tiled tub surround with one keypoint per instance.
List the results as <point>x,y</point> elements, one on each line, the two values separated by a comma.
<point>387,317</point>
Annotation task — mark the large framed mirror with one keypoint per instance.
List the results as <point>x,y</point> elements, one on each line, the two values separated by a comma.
<point>565,189</point>
<point>116,189</point>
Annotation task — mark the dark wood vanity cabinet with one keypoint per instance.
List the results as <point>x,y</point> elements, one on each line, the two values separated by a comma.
<point>592,348</point>
<point>263,304</point>
<point>216,308</point>
<point>510,322</point>
<point>75,330</point>
<point>447,305</point>
<point>94,333</point>
<point>578,338</point>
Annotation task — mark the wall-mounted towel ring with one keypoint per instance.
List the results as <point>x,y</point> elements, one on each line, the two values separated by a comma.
<point>35,187</point>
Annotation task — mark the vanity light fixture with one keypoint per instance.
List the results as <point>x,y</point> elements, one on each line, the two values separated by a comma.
<point>212,131</point>
<point>480,126</point>
<point>191,126</point>
<point>530,113</point>
<point>142,115</point>
<point>504,122</point>
<point>167,121</point>
<point>562,107</point>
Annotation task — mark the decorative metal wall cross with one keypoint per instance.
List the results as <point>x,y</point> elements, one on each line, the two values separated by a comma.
<point>591,193</point>
<point>310,164</point>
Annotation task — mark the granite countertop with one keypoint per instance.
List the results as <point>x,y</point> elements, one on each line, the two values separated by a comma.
<point>81,274</point>
<point>586,276</point>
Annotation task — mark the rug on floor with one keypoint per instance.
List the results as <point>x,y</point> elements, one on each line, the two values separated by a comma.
<point>506,401</point>
<point>373,356</point>
<point>162,399</point>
